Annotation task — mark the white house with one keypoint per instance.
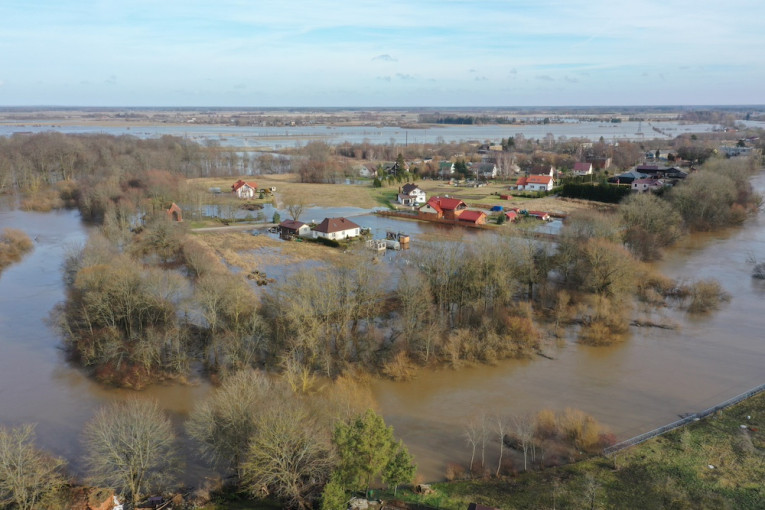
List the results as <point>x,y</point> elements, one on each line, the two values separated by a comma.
<point>535,183</point>
<point>244,189</point>
<point>485,170</point>
<point>582,168</point>
<point>645,185</point>
<point>336,229</point>
<point>411,194</point>
<point>445,168</point>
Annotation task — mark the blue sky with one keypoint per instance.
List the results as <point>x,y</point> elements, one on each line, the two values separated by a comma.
<point>381,53</point>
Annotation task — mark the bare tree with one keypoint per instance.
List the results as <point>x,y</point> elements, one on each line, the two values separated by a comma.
<point>523,430</point>
<point>473,436</point>
<point>500,424</point>
<point>288,456</point>
<point>130,446</point>
<point>225,423</point>
<point>296,209</point>
<point>28,475</point>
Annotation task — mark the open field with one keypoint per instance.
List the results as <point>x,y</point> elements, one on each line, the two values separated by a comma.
<point>289,190</point>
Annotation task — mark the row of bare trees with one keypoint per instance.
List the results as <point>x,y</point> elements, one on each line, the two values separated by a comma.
<point>545,439</point>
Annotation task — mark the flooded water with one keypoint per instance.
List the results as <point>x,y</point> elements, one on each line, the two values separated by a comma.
<point>631,387</point>
<point>37,384</point>
<point>286,137</point>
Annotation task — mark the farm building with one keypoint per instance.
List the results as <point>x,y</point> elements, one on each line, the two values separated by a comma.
<point>294,228</point>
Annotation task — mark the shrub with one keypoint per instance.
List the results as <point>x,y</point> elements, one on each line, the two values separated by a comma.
<point>706,295</point>
<point>13,245</point>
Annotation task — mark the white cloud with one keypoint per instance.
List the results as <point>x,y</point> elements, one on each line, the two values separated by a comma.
<point>385,58</point>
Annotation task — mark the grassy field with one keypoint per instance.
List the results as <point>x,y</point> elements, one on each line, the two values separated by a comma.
<point>711,464</point>
<point>289,190</point>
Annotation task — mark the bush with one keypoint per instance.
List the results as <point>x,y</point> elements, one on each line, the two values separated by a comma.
<point>13,245</point>
<point>706,295</point>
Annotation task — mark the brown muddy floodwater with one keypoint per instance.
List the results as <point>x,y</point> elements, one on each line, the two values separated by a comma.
<point>644,382</point>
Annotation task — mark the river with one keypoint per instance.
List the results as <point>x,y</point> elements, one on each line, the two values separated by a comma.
<point>631,387</point>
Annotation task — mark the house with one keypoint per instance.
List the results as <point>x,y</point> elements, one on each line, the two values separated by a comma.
<point>445,168</point>
<point>473,217</point>
<point>542,170</point>
<point>648,184</point>
<point>485,170</point>
<point>535,183</point>
<point>294,228</point>
<point>443,207</point>
<point>627,177</point>
<point>336,228</point>
<point>365,171</point>
<point>599,163</point>
<point>174,212</point>
<point>582,168</point>
<point>393,168</point>
<point>411,194</point>
<point>244,189</point>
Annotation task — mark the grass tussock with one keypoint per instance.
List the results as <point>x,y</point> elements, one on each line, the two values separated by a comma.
<point>14,244</point>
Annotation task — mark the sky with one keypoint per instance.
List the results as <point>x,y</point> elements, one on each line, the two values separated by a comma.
<point>365,53</point>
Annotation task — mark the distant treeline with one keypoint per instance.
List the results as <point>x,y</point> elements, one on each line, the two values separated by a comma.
<point>437,118</point>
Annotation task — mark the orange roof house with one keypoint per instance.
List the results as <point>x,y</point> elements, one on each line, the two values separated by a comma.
<point>244,189</point>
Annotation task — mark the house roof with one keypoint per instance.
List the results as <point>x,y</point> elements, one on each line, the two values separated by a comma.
<point>331,225</point>
<point>521,181</point>
<point>408,188</point>
<point>648,181</point>
<point>238,184</point>
<point>446,204</point>
<point>445,165</point>
<point>472,216</point>
<point>581,166</point>
<point>539,179</point>
<point>484,167</point>
<point>291,224</point>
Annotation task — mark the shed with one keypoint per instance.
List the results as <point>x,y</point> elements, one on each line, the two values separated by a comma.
<point>474,217</point>
<point>174,212</point>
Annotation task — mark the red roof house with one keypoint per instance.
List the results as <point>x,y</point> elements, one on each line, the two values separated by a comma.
<point>442,207</point>
<point>244,189</point>
<point>473,217</point>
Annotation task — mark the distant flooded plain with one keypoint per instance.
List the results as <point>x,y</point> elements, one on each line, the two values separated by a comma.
<point>631,387</point>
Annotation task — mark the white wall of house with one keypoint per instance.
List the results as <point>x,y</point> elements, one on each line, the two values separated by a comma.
<point>342,234</point>
<point>245,192</point>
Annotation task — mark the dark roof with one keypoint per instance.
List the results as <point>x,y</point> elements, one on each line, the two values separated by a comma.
<point>408,188</point>
<point>330,225</point>
<point>291,224</point>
